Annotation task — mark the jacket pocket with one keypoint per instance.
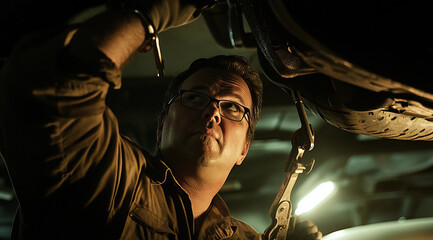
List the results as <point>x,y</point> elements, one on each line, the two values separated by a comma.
<point>151,221</point>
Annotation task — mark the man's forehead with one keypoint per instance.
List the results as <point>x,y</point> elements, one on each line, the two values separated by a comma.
<point>218,82</point>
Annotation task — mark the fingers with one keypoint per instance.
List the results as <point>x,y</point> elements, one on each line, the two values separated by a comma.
<point>314,236</point>
<point>307,226</point>
<point>306,230</point>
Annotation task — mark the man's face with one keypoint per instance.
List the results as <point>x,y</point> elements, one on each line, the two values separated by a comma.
<point>203,142</point>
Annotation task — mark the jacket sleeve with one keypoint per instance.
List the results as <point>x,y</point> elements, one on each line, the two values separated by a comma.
<point>60,142</point>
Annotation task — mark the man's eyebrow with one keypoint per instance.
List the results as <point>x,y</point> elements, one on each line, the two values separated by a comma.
<point>238,96</point>
<point>229,92</point>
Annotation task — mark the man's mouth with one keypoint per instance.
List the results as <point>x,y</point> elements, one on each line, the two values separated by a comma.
<point>210,133</point>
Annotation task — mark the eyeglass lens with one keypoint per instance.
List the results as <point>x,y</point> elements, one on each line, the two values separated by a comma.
<point>199,101</point>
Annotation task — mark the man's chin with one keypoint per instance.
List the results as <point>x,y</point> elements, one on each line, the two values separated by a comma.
<point>201,149</point>
<point>207,155</point>
<point>208,143</point>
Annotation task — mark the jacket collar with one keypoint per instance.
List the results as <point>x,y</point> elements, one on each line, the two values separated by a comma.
<point>157,170</point>
<point>218,223</point>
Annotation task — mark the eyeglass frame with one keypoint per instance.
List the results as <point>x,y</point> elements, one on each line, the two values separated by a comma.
<point>247,111</point>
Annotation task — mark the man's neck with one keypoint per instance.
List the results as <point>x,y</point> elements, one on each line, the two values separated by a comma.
<point>200,188</point>
<point>200,194</point>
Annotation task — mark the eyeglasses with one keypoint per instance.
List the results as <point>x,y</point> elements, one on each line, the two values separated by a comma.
<point>198,101</point>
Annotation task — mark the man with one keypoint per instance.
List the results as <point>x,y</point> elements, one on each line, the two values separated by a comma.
<point>76,177</point>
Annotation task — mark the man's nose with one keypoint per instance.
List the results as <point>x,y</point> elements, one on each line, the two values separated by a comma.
<point>212,112</point>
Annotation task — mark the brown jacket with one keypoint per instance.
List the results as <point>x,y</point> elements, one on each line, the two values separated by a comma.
<point>75,175</point>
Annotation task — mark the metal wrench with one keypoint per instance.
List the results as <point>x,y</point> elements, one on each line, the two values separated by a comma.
<point>281,208</point>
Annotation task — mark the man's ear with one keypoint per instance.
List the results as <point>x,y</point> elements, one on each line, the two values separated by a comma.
<point>243,153</point>
<point>161,120</point>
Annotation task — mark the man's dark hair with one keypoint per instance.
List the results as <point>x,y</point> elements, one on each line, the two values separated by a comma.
<point>233,64</point>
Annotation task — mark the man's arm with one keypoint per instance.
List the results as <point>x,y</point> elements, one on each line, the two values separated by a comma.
<point>59,140</point>
<point>118,34</point>
<point>120,38</point>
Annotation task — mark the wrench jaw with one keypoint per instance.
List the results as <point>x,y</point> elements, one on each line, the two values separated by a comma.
<point>296,152</point>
